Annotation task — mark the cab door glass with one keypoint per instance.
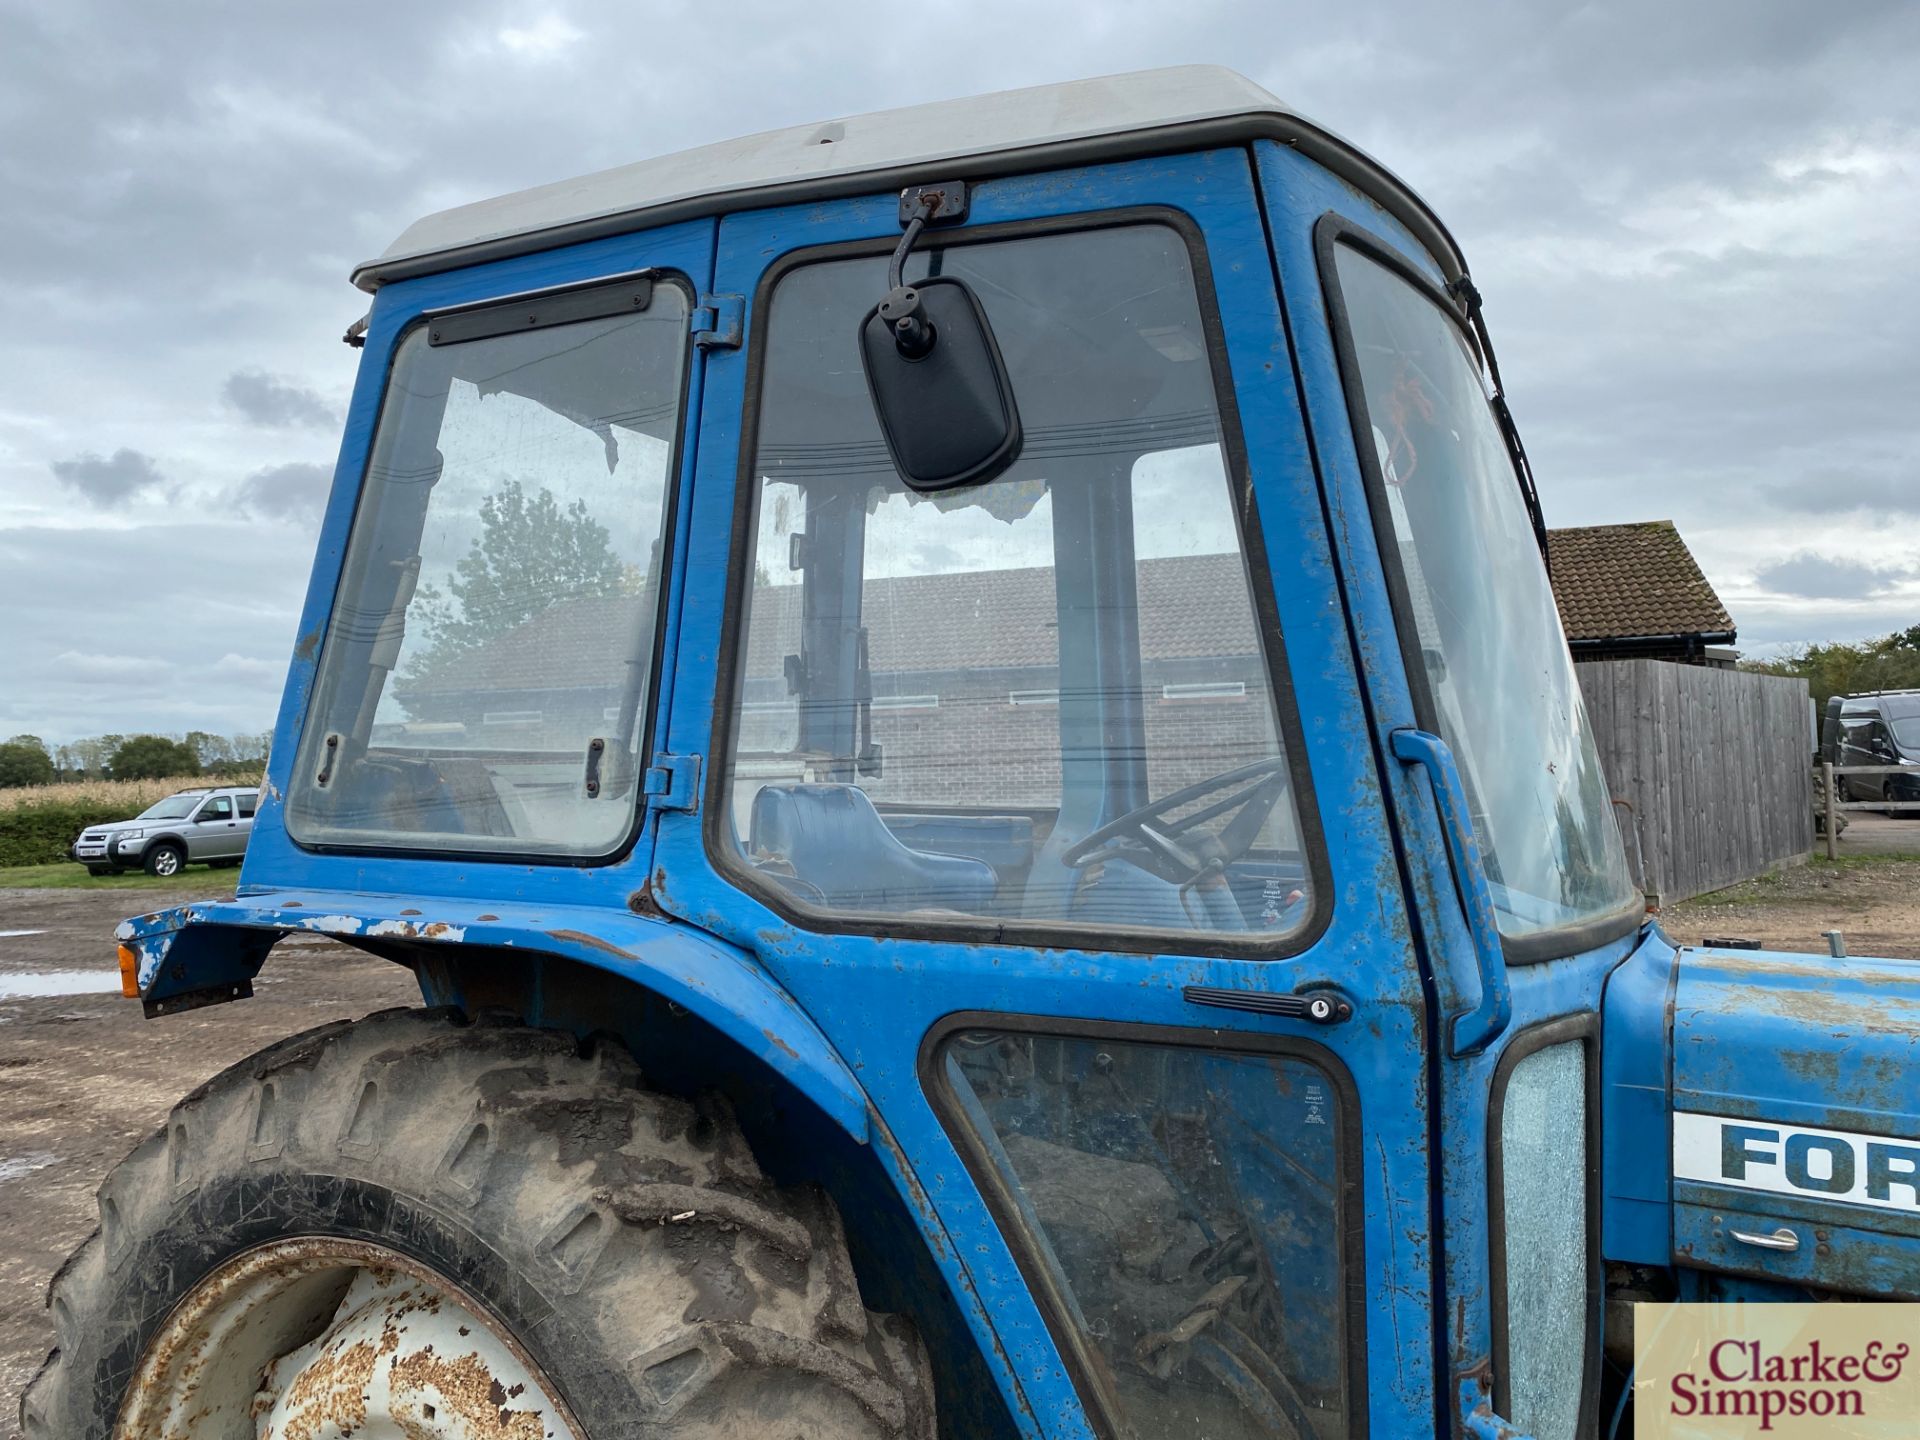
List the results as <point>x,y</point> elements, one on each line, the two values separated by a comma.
<point>1188,1211</point>
<point>1043,699</point>
<point>220,808</point>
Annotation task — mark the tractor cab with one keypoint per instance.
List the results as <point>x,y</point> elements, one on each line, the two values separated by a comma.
<point>1003,652</point>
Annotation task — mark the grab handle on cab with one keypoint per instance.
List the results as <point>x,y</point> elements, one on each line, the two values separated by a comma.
<point>1470,1030</point>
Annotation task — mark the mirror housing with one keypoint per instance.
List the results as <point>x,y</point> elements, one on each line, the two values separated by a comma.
<point>939,385</point>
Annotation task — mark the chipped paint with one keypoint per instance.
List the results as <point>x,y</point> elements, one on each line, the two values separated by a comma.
<point>153,954</point>
<point>332,924</point>
<point>411,930</point>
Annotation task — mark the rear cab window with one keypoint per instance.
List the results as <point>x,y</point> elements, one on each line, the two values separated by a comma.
<point>489,661</point>
<point>1041,701</point>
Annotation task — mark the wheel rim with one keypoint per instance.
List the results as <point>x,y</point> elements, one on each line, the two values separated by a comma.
<point>324,1338</point>
<point>166,862</point>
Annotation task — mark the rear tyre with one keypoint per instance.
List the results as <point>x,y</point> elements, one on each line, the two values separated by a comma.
<point>389,1218</point>
<point>222,864</point>
<point>165,859</point>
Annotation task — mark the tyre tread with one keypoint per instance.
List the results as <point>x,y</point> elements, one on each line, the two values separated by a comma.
<point>766,1295</point>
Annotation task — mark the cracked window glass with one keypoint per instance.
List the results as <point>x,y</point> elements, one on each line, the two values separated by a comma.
<point>1543,1170</point>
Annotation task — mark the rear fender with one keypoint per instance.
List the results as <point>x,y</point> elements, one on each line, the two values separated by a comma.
<point>208,952</point>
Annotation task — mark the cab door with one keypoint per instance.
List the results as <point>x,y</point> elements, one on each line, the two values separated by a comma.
<point>1052,801</point>
<point>1523,901</point>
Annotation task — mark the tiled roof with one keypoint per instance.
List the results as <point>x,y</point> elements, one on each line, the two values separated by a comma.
<point>1620,582</point>
<point>1190,605</point>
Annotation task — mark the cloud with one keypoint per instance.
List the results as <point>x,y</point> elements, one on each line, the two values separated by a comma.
<point>295,491</point>
<point>247,667</point>
<point>1694,225</point>
<point>1896,491</point>
<point>127,628</point>
<point>275,402</point>
<point>110,480</point>
<point>543,39</point>
<point>1820,577</point>
<point>87,669</point>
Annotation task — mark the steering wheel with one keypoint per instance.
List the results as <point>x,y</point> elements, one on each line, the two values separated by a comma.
<point>1174,850</point>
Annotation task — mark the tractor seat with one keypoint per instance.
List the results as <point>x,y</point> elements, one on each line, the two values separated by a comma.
<point>832,839</point>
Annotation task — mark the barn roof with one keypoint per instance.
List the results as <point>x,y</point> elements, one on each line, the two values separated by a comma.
<point>1633,582</point>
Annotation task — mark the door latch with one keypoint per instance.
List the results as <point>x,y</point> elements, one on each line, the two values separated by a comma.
<point>1781,1239</point>
<point>1322,1007</point>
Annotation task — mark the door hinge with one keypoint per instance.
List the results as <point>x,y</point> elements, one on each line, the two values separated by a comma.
<point>718,320</point>
<point>672,782</point>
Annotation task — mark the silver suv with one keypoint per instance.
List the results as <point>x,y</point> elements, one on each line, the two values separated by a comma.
<point>211,826</point>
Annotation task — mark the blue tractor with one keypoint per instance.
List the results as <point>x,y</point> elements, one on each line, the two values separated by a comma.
<point>960,717</point>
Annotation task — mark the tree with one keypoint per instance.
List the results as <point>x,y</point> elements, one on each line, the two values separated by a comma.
<point>531,553</point>
<point>24,761</point>
<point>1891,662</point>
<point>152,757</point>
<point>214,752</point>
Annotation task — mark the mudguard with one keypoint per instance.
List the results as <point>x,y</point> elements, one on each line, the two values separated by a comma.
<point>1792,1118</point>
<point>210,951</point>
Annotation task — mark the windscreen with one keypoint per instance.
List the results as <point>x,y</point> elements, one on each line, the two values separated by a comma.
<point>487,665</point>
<point>1482,613</point>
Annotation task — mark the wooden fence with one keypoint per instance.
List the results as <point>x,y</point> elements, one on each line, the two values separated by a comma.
<point>1711,766</point>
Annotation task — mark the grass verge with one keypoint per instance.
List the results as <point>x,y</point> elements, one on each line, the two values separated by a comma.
<point>196,880</point>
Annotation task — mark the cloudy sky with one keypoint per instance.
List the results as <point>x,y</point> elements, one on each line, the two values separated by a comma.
<point>1696,225</point>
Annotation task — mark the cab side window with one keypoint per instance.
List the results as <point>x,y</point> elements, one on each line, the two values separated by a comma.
<point>218,808</point>
<point>248,802</point>
<point>1043,699</point>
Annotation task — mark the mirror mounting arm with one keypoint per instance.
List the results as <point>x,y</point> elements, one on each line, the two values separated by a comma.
<point>938,382</point>
<point>920,206</point>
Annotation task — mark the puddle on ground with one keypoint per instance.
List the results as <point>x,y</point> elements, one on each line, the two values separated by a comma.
<point>15,1167</point>
<point>10,934</point>
<point>36,985</point>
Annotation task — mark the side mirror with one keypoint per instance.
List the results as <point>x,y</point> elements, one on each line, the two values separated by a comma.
<point>939,385</point>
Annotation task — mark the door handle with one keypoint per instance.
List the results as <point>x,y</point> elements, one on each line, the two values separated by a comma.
<point>1783,1239</point>
<point>1470,1030</point>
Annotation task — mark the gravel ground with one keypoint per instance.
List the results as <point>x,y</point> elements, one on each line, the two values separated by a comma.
<point>84,1077</point>
<point>1872,896</point>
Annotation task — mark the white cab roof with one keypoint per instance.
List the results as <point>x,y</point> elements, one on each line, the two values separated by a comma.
<point>1150,111</point>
